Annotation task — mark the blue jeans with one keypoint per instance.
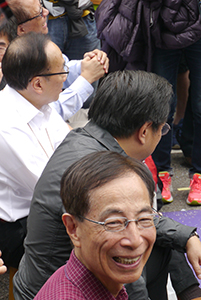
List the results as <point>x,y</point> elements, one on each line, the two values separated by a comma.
<point>74,48</point>
<point>166,63</point>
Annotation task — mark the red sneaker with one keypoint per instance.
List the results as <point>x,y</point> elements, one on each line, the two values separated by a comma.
<point>194,196</point>
<point>167,187</point>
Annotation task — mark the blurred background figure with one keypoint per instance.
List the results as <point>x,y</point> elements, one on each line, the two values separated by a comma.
<point>72,28</point>
<point>8,31</point>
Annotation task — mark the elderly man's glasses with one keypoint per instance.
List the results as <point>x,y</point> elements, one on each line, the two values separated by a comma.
<point>165,129</point>
<point>116,224</point>
<point>66,72</point>
<point>39,15</point>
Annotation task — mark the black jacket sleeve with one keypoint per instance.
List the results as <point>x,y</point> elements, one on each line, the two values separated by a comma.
<point>173,234</point>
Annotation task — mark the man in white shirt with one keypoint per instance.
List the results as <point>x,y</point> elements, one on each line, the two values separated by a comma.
<point>32,16</point>
<point>30,130</point>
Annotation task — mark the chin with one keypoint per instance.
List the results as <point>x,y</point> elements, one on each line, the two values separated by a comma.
<point>45,31</point>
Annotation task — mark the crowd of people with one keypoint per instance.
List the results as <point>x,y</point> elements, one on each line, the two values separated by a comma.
<point>86,195</point>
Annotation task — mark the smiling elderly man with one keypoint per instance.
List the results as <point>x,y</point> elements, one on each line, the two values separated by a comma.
<point>128,116</point>
<point>109,219</point>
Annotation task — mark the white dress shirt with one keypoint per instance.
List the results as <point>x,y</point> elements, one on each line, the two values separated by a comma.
<point>28,137</point>
<point>77,90</point>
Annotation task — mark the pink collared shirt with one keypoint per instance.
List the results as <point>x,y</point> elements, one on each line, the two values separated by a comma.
<point>74,281</point>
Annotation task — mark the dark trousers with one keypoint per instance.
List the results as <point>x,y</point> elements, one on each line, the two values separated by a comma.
<point>12,236</point>
<point>166,63</point>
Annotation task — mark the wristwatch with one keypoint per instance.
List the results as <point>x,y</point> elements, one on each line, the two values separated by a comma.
<point>194,233</point>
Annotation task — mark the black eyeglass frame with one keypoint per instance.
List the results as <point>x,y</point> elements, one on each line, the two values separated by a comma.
<point>30,19</point>
<point>52,74</point>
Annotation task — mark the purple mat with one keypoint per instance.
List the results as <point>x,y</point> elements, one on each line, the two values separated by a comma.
<point>187,217</point>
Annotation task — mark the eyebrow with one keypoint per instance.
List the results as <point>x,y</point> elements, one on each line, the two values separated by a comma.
<point>146,209</point>
<point>3,44</point>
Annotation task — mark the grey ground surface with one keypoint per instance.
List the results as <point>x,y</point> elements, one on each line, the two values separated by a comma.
<point>180,180</point>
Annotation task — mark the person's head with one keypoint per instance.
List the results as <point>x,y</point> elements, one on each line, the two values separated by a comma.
<point>30,15</point>
<point>109,188</point>
<point>8,31</point>
<point>34,66</point>
<point>131,103</point>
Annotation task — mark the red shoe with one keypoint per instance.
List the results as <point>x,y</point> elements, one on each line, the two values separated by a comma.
<point>194,196</point>
<point>167,187</point>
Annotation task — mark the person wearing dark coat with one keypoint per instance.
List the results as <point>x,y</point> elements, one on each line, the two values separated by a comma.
<point>127,116</point>
<point>153,35</point>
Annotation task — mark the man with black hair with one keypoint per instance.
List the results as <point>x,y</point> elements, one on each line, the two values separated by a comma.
<point>30,130</point>
<point>128,116</point>
<point>31,15</point>
<point>8,31</point>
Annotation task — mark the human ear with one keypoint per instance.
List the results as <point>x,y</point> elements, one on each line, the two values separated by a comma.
<point>71,225</point>
<point>143,132</point>
<point>20,30</point>
<point>37,84</point>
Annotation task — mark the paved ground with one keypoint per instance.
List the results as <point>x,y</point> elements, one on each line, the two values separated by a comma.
<point>180,180</point>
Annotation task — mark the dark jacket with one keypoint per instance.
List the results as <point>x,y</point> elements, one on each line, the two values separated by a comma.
<point>47,246</point>
<point>131,29</point>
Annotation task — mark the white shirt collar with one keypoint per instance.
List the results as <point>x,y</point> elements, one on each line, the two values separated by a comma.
<point>25,109</point>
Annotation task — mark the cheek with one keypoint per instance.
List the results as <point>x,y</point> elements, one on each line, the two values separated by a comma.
<point>159,136</point>
<point>35,26</point>
<point>156,140</point>
<point>98,248</point>
<point>58,86</point>
<point>103,244</point>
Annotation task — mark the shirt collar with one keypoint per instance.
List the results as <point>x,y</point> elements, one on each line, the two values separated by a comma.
<point>26,110</point>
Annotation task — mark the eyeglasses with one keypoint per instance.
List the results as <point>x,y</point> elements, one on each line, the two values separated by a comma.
<point>165,129</point>
<point>116,224</point>
<point>39,15</point>
<point>66,72</point>
<point>2,50</point>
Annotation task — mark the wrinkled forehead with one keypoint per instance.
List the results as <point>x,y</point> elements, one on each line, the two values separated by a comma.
<point>120,194</point>
<point>32,6</point>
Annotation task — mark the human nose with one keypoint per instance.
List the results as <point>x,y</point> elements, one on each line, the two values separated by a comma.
<point>132,235</point>
<point>45,12</point>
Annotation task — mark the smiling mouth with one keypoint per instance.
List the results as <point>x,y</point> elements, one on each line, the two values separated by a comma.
<point>126,261</point>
